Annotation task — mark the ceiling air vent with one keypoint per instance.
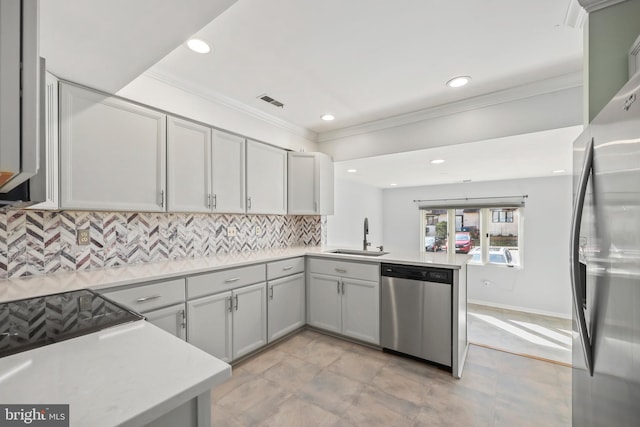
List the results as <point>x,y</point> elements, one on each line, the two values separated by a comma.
<point>270,100</point>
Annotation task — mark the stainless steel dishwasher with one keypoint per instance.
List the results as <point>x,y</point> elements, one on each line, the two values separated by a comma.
<point>416,311</point>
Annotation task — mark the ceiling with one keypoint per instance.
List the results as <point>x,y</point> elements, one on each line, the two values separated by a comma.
<point>364,60</point>
<point>522,156</point>
<point>105,44</point>
<point>360,60</point>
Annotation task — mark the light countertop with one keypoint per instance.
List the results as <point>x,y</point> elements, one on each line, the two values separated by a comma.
<point>430,259</point>
<point>125,375</point>
<point>13,289</point>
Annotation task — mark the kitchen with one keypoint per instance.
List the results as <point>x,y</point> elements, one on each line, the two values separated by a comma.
<point>126,229</point>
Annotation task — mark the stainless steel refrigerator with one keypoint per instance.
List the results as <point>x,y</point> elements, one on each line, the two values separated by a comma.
<point>605,265</point>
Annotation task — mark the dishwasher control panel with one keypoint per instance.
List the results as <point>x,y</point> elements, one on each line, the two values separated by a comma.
<point>413,272</point>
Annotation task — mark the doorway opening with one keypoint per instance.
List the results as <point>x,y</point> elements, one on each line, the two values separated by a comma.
<point>493,237</point>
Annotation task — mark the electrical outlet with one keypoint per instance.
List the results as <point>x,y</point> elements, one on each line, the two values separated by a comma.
<point>258,230</point>
<point>231,232</point>
<point>83,237</point>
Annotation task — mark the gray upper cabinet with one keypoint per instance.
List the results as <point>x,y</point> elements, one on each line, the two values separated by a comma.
<point>112,153</point>
<point>266,179</point>
<point>188,166</point>
<point>228,173</point>
<point>310,184</point>
<point>49,160</point>
<point>205,169</point>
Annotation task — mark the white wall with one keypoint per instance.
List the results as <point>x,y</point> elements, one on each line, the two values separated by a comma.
<point>542,283</point>
<point>354,202</point>
<point>158,94</point>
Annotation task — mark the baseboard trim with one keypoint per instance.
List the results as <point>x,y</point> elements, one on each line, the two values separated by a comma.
<point>530,356</point>
<point>516,308</point>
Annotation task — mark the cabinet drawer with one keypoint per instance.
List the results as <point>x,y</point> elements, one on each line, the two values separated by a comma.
<point>149,297</point>
<point>284,268</point>
<point>220,281</point>
<point>353,270</point>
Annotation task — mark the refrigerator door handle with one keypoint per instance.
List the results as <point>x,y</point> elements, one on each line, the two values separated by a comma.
<point>576,221</point>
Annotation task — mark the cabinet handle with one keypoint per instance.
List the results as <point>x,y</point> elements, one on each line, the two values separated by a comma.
<point>235,279</point>
<point>289,267</point>
<point>248,202</point>
<point>230,304</point>
<point>343,287</point>
<point>215,201</point>
<point>236,302</point>
<point>315,207</point>
<point>341,270</point>
<point>183,324</point>
<point>145,299</point>
<point>162,198</point>
<point>271,292</point>
<point>338,286</point>
<point>208,201</point>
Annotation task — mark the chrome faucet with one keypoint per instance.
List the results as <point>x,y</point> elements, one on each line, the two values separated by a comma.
<point>366,231</point>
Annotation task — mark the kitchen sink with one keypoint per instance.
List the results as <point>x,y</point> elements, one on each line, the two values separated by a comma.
<point>356,252</point>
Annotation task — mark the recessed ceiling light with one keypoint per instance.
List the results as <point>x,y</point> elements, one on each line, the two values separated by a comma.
<point>199,46</point>
<point>437,161</point>
<point>352,170</point>
<point>393,184</point>
<point>327,117</point>
<point>459,81</point>
<point>559,171</point>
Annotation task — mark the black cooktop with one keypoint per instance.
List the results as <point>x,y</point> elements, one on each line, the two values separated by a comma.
<point>34,322</point>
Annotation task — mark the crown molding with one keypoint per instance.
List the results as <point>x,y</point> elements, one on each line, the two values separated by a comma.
<point>576,16</point>
<point>593,5</point>
<point>225,101</point>
<point>566,81</point>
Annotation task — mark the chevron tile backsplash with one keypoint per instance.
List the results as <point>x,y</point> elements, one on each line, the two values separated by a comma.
<point>43,242</point>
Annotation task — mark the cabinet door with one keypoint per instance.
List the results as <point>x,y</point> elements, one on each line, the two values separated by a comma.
<point>171,319</point>
<point>188,166</point>
<point>112,153</point>
<point>209,325</point>
<point>302,196</point>
<point>361,310</point>
<point>228,173</point>
<point>286,305</point>
<point>249,319</point>
<point>325,184</point>
<point>266,179</point>
<point>48,190</point>
<point>324,302</point>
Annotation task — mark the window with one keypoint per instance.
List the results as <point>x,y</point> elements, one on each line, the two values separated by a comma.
<point>495,228</point>
<point>502,215</point>
<point>434,224</point>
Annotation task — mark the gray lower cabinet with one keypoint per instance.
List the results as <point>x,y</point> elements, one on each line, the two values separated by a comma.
<point>286,305</point>
<point>325,300</point>
<point>210,327</point>
<point>249,319</point>
<point>348,302</point>
<point>361,309</point>
<point>172,319</point>
<point>230,324</point>
<point>162,303</point>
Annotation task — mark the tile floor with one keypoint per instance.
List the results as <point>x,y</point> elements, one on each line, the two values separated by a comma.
<point>521,333</point>
<point>316,380</point>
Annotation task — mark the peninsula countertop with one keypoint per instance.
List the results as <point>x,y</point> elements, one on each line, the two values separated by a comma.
<point>125,375</point>
<point>18,288</point>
